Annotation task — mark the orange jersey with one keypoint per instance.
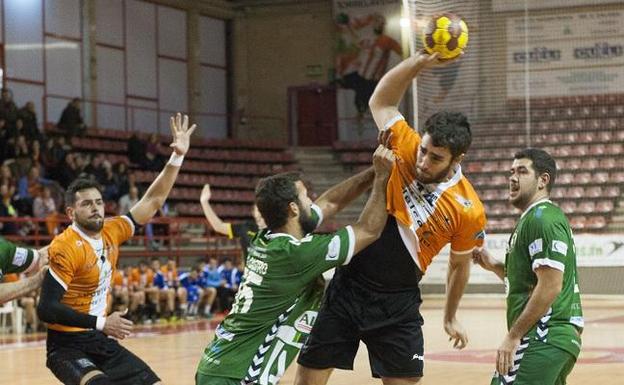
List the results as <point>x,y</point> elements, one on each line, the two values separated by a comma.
<point>171,275</point>
<point>118,278</point>
<point>437,214</point>
<point>142,280</point>
<point>85,266</point>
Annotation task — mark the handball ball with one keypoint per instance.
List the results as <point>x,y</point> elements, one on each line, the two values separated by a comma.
<point>446,34</point>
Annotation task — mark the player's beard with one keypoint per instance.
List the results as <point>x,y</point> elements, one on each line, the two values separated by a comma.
<point>437,178</point>
<point>306,221</point>
<point>91,224</point>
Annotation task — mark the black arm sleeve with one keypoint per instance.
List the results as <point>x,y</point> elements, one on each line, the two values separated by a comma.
<point>51,310</point>
<point>129,215</point>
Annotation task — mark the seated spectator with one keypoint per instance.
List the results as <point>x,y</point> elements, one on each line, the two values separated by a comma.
<point>48,159</point>
<point>7,210</point>
<point>136,307</point>
<point>28,187</point>
<point>192,283</point>
<point>121,294</point>
<point>128,200</point>
<point>8,109</point>
<point>154,154</point>
<point>21,154</point>
<point>121,170</point>
<point>67,171</point>
<point>27,302</point>
<point>5,135</point>
<point>29,116</point>
<point>136,149</point>
<point>211,276</point>
<point>6,177</point>
<point>226,289</point>
<point>170,272</point>
<point>109,182</point>
<point>71,120</point>
<point>94,167</point>
<point>45,207</point>
<point>166,294</point>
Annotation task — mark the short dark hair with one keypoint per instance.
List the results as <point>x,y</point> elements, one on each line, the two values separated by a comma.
<point>543,163</point>
<point>274,194</point>
<point>451,130</point>
<point>79,185</point>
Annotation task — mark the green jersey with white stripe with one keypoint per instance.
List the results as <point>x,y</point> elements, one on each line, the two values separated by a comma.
<point>276,304</point>
<point>543,237</point>
<point>14,259</point>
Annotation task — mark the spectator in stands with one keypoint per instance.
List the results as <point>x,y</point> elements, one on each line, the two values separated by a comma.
<point>29,116</point>
<point>94,167</point>
<point>61,148</point>
<point>128,200</point>
<point>45,207</point>
<point>8,109</point>
<point>71,119</point>
<point>226,291</point>
<point>243,231</point>
<point>166,294</point>
<point>109,183</point>
<point>144,275</point>
<point>49,161</point>
<point>28,187</point>
<point>121,295</point>
<point>21,154</point>
<point>136,149</point>
<point>7,210</point>
<point>6,177</point>
<point>212,275</point>
<point>67,171</point>
<point>121,170</point>
<point>154,154</point>
<point>136,307</point>
<point>170,270</point>
<point>192,283</point>
<point>4,139</point>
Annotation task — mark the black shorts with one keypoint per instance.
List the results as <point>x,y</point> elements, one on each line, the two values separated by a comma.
<point>389,323</point>
<point>72,355</point>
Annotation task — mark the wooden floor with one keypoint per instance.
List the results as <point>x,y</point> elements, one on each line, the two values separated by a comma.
<point>173,352</point>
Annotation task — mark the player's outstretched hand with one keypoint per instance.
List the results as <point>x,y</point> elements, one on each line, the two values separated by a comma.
<point>456,333</point>
<point>383,159</point>
<point>205,193</point>
<point>181,133</point>
<point>117,326</point>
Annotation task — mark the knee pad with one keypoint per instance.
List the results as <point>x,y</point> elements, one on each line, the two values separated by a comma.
<point>100,379</point>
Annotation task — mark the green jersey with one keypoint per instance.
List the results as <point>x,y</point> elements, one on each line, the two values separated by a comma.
<point>543,237</point>
<point>14,259</point>
<point>276,304</point>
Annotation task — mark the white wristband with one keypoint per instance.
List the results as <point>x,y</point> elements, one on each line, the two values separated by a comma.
<point>99,324</point>
<point>176,160</point>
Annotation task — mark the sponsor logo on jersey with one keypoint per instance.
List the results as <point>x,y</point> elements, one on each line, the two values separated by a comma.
<point>305,321</point>
<point>417,356</point>
<point>79,243</point>
<point>20,256</point>
<point>222,333</point>
<point>535,247</point>
<point>560,247</point>
<point>333,249</point>
<point>257,266</point>
<point>466,203</point>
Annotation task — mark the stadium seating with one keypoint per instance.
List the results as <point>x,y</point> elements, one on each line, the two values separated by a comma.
<point>584,133</point>
<point>231,166</point>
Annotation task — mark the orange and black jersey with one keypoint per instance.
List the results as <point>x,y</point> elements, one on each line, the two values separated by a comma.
<point>84,266</point>
<point>425,218</point>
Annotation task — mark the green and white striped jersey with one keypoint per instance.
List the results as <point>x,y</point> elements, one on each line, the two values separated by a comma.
<point>14,259</point>
<point>276,304</point>
<point>543,237</point>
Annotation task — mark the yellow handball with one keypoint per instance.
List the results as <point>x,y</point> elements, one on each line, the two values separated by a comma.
<point>446,34</point>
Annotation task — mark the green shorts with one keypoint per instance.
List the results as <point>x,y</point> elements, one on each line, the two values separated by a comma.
<point>203,379</point>
<point>538,364</point>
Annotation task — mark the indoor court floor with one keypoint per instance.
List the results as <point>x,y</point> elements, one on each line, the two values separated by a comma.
<point>173,351</point>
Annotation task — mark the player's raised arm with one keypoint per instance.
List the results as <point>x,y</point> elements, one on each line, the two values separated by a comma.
<point>339,196</point>
<point>373,218</point>
<point>157,193</point>
<point>384,103</point>
<point>217,224</point>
